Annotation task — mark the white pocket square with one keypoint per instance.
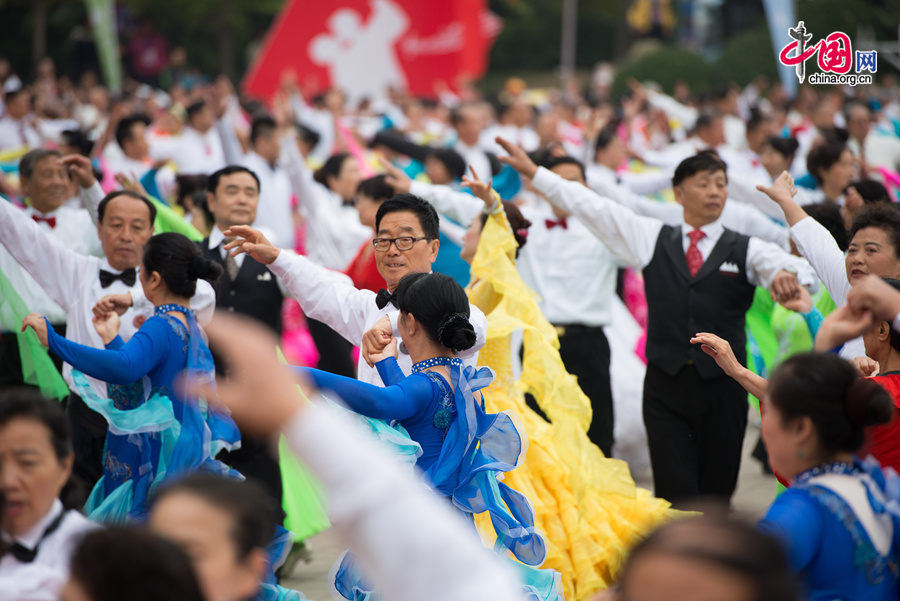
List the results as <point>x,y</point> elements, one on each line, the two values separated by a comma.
<point>729,268</point>
<point>265,276</point>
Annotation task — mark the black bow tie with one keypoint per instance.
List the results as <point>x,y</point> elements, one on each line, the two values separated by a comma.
<point>383,298</point>
<point>128,277</point>
<point>26,555</point>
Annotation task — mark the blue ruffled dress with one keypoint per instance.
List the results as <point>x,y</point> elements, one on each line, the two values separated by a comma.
<point>464,452</point>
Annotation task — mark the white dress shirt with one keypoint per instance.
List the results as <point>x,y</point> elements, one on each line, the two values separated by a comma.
<point>408,541</point>
<point>817,246</point>
<point>194,152</point>
<point>644,183</point>
<point>880,151</point>
<point>50,568</point>
<point>320,121</point>
<point>633,237</point>
<point>475,158</point>
<point>741,218</point>
<point>217,240</point>
<point>555,261</point>
<point>333,231</point>
<point>330,297</point>
<point>72,280</point>
<point>525,137</point>
<point>75,231</point>
<point>18,133</point>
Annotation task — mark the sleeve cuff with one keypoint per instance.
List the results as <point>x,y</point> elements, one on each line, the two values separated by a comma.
<point>282,262</point>
<point>542,180</point>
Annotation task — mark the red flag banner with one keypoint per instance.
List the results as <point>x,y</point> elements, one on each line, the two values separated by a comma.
<point>366,46</point>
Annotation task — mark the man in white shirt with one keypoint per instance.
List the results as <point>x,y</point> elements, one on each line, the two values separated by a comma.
<point>699,276</point>
<point>76,282</point>
<point>274,212</point>
<point>872,148</point>
<point>468,121</point>
<point>16,131</point>
<point>198,149</point>
<point>46,185</point>
<point>331,298</point>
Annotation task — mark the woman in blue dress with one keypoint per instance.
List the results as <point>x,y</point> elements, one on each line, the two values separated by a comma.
<point>464,450</point>
<point>840,518</point>
<point>153,432</point>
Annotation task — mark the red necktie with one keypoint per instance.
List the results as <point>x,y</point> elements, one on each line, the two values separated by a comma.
<point>693,256</point>
<point>552,224</point>
<point>51,221</point>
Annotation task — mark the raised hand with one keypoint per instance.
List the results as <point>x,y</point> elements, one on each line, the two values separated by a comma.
<point>865,366</point>
<point>480,189</point>
<point>800,303</point>
<point>782,190</point>
<point>131,183</point>
<point>262,394</point>
<point>785,286</point>
<point>80,169</point>
<point>118,303</point>
<point>107,326</point>
<point>517,158</point>
<point>394,177</point>
<point>720,350</point>
<point>252,242</point>
<point>390,350</point>
<point>876,295</point>
<point>376,340</point>
<point>38,324</point>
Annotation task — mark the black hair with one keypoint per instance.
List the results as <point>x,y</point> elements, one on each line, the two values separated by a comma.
<point>725,543</point>
<point>261,126</point>
<point>822,157</point>
<point>26,403</point>
<point>456,113</point>
<point>884,216</point>
<point>194,108</point>
<point>552,162</point>
<point>452,161</point>
<point>706,118</point>
<point>198,197</point>
<point>517,222</point>
<point>828,214</point>
<point>607,134</point>
<point>702,161</point>
<point>101,208</point>
<point>540,156</point>
<point>179,262</point>
<point>831,393</point>
<point>853,102</point>
<point>11,95</point>
<point>424,212</point>
<point>785,146</point>
<point>331,168</point>
<point>871,191</point>
<point>835,135</point>
<point>895,335</point>
<point>32,158</point>
<point>79,140</point>
<point>124,127</point>
<point>131,563</point>
<point>757,119</point>
<point>309,136</point>
<point>376,188</point>
<point>188,183</point>
<point>253,513</point>
<point>440,305</point>
<point>213,182</point>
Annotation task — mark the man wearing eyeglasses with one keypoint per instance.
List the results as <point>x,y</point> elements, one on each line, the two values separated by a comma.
<point>406,241</point>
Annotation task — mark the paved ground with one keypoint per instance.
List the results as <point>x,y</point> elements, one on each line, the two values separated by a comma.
<point>754,494</point>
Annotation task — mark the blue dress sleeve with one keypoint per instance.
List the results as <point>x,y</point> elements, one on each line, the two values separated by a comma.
<point>795,519</point>
<point>813,320</point>
<point>390,371</point>
<point>397,402</point>
<point>124,365</point>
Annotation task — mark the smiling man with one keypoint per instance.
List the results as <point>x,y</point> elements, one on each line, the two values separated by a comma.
<point>697,275</point>
<point>406,241</point>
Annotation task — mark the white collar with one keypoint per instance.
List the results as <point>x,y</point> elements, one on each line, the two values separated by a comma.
<point>30,210</point>
<point>31,538</point>
<point>216,237</point>
<point>712,230</point>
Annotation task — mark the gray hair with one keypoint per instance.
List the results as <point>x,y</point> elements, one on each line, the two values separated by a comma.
<point>27,163</point>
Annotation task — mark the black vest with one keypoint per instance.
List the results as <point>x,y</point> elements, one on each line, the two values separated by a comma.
<point>254,292</point>
<point>679,306</point>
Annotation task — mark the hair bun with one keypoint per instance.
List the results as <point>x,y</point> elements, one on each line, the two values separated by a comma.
<point>203,269</point>
<point>456,332</point>
<point>867,403</point>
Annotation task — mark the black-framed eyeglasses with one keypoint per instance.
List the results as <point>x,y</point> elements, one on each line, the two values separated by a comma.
<point>402,243</point>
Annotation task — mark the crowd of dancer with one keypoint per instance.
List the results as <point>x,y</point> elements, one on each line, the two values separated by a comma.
<point>464,293</point>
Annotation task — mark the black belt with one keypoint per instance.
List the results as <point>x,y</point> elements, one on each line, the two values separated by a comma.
<point>572,328</point>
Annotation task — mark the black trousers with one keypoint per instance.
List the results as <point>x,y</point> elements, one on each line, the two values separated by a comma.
<point>88,440</point>
<point>695,431</point>
<point>11,361</point>
<point>334,350</point>
<point>585,353</point>
<point>257,460</point>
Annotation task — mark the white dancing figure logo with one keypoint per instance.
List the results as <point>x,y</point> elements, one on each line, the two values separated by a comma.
<point>361,57</point>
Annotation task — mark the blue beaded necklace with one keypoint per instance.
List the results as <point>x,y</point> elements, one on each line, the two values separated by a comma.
<point>171,307</point>
<point>435,361</point>
<point>836,467</point>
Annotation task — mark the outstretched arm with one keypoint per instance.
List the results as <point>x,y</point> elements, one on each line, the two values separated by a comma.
<point>720,350</point>
<point>398,402</point>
